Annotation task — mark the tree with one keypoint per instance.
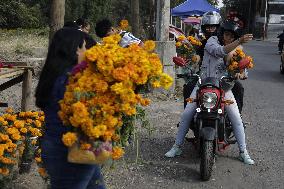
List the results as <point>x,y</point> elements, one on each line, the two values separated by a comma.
<point>135,18</point>
<point>17,14</point>
<point>213,2</point>
<point>57,13</point>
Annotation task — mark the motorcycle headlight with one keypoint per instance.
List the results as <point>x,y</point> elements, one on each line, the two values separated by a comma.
<point>209,100</point>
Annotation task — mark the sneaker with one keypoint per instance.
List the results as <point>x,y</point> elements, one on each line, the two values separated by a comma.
<point>174,151</point>
<point>244,157</point>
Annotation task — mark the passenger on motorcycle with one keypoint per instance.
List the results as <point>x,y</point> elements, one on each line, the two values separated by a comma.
<point>213,65</point>
<point>209,26</point>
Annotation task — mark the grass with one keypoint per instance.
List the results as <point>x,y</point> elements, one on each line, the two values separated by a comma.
<point>19,44</point>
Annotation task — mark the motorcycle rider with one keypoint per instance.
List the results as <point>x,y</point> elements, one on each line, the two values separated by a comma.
<point>209,26</point>
<point>213,65</point>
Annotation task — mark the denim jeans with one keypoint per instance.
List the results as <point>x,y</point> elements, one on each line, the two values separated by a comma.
<point>233,114</point>
<point>65,175</point>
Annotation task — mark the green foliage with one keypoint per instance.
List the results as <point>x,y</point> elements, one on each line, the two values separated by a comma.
<point>17,14</point>
<point>213,2</point>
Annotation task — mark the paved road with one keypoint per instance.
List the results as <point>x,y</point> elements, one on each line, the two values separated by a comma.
<point>264,109</point>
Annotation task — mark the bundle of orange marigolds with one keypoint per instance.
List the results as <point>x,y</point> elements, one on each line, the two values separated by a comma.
<point>239,62</point>
<point>102,91</point>
<point>15,130</point>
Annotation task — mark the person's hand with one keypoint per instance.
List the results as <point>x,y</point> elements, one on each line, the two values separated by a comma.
<point>241,76</point>
<point>245,38</point>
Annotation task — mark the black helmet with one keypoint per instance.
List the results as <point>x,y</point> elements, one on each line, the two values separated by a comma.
<point>231,26</point>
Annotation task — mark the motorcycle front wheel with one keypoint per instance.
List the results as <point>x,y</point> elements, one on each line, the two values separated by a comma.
<point>206,159</point>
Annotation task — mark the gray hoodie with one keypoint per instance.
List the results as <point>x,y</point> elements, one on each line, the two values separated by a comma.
<point>214,64</point>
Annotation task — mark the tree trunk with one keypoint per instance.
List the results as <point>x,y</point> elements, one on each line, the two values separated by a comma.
<point>152,20</point>
<point>135,21</point>
<point>57,13</point>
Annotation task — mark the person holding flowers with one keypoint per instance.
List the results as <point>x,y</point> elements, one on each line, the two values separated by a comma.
<point>65,51</point>
<point>105,28</point>
<point>213,65</point>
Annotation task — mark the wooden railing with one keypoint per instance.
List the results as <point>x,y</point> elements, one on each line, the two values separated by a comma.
<point>16,72</point>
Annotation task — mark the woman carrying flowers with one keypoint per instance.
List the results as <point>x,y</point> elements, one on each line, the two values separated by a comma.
<point>65,51</point>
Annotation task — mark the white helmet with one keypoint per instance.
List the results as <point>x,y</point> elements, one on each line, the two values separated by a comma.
<point>210,18</point>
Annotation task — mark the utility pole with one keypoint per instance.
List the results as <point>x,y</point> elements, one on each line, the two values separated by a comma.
<point>163,20</point>
<point>165,48</point>
<point>265,21</point>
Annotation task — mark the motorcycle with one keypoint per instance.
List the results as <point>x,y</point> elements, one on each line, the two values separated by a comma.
<point>211,126</point>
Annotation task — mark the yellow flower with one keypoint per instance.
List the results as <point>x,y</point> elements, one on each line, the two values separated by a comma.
<point>178,44</point>
<point>38,159</point>
<point>123,24</point>
<point>24,130</point>
<point>37,123</point>
<point>69,139</point>
<point>149,45</point>
<point>85,146</point>
<point>5,171</point>
<point>195,58</point>
<point>117,152</point>
<point>181,38</point>
<point>250,65</point>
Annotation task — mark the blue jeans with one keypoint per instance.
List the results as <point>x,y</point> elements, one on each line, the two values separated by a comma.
<point>65,175</point>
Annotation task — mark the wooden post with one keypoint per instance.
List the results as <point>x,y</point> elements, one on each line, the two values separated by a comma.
<point>27,91</point>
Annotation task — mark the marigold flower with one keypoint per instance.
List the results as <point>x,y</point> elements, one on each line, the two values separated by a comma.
<point>42,172</point>
<point>123,24</point>
<point>117,152</point>
<point>69,139</point>
<point>85,146</point>
<point>181,38</point>
<point>149,45</point>
<point>5,171</point>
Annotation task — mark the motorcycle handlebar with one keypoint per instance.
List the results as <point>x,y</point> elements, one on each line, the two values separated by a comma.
<point>186,75</point>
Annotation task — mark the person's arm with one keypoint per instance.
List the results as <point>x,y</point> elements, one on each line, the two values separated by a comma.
<point>214,48</point>
<point>244,39</point>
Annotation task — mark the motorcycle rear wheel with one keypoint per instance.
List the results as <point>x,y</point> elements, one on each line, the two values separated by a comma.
<point>206,159</point>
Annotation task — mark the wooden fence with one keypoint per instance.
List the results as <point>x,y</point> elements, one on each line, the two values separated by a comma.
<point>16,72</point>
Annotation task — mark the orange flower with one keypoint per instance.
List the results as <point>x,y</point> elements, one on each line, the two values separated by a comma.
<point>69,139</point>
<point>123,24</point>
<point>117,152</point>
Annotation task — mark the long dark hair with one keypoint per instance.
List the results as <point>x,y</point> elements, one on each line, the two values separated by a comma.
<point>62,56</point>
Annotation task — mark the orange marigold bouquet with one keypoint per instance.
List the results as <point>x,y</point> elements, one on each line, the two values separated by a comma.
<point>239,62</point>
<point>18,137</point>
<point>186,51</point>
<point>102,92</point>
